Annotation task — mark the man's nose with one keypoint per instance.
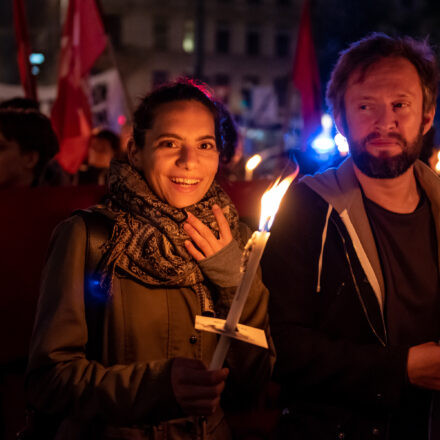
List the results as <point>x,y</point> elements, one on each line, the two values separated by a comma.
<point>188,158</point>
<point>386,119</point>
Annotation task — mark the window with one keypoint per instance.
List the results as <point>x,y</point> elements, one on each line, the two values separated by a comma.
<point>282,44</point>
<point>188,36</point>
<point>222,38</point>
<point>159,77</point>
<point>249,81</point>
<point>253,42</point>
<point>281,85</point>
<point>160,33</point>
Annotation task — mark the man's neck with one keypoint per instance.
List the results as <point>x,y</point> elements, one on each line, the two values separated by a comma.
<point>399,194</point>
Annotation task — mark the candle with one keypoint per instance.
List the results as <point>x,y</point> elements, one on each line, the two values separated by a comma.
<point>253,252</point>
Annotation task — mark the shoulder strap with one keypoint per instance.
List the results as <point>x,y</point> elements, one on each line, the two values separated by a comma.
<point>98,230</point>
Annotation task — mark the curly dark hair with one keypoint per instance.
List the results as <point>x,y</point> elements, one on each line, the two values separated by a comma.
<point>33,132</point>
<point>181,90</point>
<point>364,53</point>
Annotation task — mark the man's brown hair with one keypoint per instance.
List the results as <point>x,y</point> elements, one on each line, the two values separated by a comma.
<point>364,53</point>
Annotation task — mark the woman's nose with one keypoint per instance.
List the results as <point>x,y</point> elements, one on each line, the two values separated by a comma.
<point>188,158</point>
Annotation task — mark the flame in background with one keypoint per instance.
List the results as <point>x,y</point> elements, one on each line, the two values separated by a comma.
<point>271,200</point>
<point>437,165</point>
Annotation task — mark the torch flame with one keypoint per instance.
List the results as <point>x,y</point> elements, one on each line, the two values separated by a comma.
<point>271,199</point>
<point>437,165</point>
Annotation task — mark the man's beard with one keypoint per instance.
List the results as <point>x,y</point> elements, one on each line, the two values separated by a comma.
<point>384,166</point>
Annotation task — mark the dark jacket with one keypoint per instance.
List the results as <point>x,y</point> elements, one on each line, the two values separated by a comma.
<point>340,377</point>
<point>125,391</point>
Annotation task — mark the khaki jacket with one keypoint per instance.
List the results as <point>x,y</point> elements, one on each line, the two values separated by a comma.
<point>126,393</point>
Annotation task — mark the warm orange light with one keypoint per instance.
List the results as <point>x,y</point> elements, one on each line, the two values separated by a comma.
<point>437,165</point>
<point>271,199</point>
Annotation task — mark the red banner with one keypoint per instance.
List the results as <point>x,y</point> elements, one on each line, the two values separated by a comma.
<point>82,42</point>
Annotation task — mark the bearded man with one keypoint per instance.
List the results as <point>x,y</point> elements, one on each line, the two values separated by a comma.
<point>353,260</point>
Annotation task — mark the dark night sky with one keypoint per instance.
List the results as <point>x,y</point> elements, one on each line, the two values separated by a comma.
<point>337,23</point>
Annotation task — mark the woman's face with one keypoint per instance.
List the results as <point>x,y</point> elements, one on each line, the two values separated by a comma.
<point>180,157</point>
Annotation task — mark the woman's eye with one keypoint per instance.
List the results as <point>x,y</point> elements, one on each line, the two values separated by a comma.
<point>207,146</point>
<point>168,144</point>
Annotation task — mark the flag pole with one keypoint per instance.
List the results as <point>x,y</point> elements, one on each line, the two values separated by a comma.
<point>111,51</point>
<point>23,50</point>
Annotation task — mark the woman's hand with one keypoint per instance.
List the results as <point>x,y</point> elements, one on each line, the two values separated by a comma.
<point>196,388</point>
<point>203,237</point>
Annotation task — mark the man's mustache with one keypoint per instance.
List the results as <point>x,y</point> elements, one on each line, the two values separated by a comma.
<point>376,135</point>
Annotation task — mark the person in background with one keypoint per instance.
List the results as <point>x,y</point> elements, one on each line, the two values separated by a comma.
<point>104,145</point>
<point>21,103</point>
<point>114,351</point>
<point>352,263</point>
<point>27,144</point>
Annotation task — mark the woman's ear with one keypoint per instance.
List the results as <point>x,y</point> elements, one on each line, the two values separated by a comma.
<point>133,153</point>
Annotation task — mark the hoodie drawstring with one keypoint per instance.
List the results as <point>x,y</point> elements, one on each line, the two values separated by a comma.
<point>323,240</point>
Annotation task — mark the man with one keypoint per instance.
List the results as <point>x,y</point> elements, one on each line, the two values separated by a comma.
<point>352,262</point>
<point>27,143</point>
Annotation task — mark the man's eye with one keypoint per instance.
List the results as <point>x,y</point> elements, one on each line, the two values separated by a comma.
<point>364,107</point>
<point>400,105</point>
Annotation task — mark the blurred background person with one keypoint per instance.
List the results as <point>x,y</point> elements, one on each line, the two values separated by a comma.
<point>104,145</point>
<point>27,144</point>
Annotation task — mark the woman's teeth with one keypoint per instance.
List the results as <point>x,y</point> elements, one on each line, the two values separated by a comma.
<point>183,181</point>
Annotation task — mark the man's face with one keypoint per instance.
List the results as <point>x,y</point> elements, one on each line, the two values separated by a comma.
<point>16,168</point>
<point>384,120</point>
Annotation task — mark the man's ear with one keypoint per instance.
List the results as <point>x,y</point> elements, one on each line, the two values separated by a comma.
<point>133,152</point>
<point>428,119</point>
<point>341,123</point>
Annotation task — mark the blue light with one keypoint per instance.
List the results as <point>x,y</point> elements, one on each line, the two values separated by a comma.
<point>36,58</point>
<point>323,144</point>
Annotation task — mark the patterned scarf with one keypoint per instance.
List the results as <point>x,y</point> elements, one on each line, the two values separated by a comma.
<point>147,241</point>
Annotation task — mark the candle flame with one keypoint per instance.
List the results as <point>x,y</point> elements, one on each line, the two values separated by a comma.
<point>437,165</point>
<point>253,162</point>
<point>271,200</point>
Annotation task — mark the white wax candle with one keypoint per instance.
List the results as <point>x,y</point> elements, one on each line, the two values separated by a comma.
<point>258,242</point>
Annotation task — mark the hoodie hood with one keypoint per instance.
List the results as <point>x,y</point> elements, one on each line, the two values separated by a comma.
<point>340,188</point>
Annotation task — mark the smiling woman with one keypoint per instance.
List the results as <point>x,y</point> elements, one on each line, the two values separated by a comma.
<point>116,354</point>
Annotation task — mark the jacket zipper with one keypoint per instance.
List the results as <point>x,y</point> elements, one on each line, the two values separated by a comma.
<point>384,343</point>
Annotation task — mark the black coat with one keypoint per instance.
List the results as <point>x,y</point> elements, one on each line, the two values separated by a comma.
<point>340,379</point>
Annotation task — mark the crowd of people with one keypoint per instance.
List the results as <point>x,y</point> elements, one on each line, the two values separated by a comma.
<point>348,294</point>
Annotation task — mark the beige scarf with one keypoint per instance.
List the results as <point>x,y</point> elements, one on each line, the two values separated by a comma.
<point>147,241</point>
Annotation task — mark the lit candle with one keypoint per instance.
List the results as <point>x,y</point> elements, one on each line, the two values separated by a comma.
<point>253,252</point>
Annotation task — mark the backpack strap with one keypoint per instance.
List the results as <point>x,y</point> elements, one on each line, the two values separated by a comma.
<point>98,231</point>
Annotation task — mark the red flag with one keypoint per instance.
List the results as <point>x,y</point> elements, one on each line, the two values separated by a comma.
<point>306,75</point>
<point>23,50</point>
<point>83,40</point>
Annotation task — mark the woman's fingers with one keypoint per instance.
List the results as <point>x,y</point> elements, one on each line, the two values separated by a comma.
<point>198,256</point>
<point>203,237</point>
<point>202,243</point>
<point>223,225</point>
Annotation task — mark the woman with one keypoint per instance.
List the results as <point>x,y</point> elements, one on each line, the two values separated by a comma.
<point>173,252</point>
